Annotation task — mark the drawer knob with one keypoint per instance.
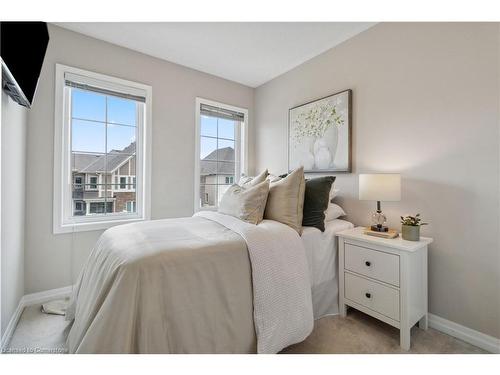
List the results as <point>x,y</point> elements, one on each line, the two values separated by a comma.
<point>368,295</point>
<point>368,264</point>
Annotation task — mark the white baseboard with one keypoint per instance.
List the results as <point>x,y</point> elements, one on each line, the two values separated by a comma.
<point>479,339</point>
<point>9,331</point>
<point>46,295</point>
<point>28,300</point>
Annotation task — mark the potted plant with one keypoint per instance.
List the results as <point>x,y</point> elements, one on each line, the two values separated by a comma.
<point>411,227</point>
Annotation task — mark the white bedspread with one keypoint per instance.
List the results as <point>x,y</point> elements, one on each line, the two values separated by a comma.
<point>322,256</point>
<point>283,313</point>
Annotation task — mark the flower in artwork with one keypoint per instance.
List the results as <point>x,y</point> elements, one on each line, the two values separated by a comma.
<point>316,121</point>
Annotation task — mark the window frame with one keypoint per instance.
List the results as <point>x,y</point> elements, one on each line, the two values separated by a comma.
<point>92,186</point>
<point>243,140</point>
<point>63,220</point>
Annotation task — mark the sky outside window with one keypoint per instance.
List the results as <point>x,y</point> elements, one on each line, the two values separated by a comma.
<point>215,127</point>
<point>89,122</point>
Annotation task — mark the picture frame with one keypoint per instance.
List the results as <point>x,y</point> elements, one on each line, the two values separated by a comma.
<point>320,134</point>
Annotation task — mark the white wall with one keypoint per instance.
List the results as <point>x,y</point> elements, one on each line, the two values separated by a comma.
<point>14,122</point>
<point>54,261</point>
<point>426,102</point>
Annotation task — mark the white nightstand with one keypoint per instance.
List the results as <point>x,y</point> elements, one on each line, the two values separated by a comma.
<point>384,278</point>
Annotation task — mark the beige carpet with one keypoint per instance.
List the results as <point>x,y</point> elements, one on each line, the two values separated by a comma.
<point>357,333</point>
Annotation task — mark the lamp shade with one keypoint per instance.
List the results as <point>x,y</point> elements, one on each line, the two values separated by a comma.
<point>380,187</point>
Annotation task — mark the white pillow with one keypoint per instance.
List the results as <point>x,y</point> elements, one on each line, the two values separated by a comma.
<point>334,211</point>
<point>333,192</point>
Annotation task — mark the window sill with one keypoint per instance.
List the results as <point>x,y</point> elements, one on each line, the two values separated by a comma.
<point>94,225</point>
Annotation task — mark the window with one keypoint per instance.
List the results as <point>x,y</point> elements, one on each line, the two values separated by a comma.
<point>92,181</point>
<point>131,206</point>
<point>78,181</point>
<point>102,147</point>
<point>220,150</point>
<point>98,207</point>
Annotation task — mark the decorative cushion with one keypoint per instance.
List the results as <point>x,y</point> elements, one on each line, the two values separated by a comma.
<point>333,193</point>
<point>285,202</point>
<point>316,199</point>
<point>247,181</point>
<point>334,211</point>
<point>247,204</point>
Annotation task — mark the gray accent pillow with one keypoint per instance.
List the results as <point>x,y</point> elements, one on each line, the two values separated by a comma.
<point>247,204</point>
<point>285,202</point>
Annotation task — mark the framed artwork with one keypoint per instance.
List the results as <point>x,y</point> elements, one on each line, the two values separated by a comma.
<point>319,134</point>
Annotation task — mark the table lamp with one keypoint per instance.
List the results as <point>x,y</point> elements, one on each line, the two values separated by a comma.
<point>379,187</point>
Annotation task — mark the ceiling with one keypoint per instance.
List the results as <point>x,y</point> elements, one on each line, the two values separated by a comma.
<point>248,53</point>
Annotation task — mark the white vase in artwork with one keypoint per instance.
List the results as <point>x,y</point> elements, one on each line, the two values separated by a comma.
<point>329,140</point>
<point>322,155</point>
<point>307,159</point>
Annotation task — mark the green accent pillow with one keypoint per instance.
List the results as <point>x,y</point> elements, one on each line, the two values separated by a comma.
<point>316,199</point>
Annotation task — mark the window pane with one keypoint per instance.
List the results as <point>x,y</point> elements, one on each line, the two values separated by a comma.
<point>208,195</point>
<point>88,136</point>
<point>100,208</point>
<point>121,164</point>
<point>221,190</point>
<point>123,196</point>
<point>120,137</point>
<point>226,150</point>
<point>130,206</point>
<point>226,129</point>
<point>92,185</point>
<point>208,172</point>
<point>209,126</point>
<point>79,208</point>
<point>121,111</point>
<point>225,169</point>
<point>207,148</point>
<point>83,162</point>
<point>88,105</point>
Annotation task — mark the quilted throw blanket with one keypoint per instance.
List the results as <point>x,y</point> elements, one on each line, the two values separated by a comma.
<point>283,313</point>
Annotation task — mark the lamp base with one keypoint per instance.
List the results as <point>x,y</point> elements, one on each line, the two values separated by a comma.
<point>379,228</point>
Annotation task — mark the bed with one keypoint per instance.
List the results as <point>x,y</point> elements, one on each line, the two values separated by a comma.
<point>206,284</point>
<point>322,258</point>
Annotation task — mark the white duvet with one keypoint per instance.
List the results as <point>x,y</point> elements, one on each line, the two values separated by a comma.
<point>206,284</point>
<point>283,312</point>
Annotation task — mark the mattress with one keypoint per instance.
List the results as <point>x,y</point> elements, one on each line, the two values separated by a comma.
<point>322,256</point>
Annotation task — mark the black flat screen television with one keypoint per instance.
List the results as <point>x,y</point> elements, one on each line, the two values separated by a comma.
<point>23,46</point>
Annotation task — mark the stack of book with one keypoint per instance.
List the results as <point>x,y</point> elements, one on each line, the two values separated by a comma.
<point>391,233</point>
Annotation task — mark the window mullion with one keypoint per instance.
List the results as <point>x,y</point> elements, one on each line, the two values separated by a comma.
<point>216,200</point>
<point>106,158</point>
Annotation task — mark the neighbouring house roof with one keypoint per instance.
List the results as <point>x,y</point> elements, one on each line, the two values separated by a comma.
<point>80,161</point>
<point>208,165</point>
<point>89,163</point>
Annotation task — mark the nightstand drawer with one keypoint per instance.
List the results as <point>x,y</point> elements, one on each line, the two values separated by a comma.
<point>372,263</point>
<point>375,296</point>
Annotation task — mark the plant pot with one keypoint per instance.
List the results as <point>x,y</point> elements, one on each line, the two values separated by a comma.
<point>410,232</point>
